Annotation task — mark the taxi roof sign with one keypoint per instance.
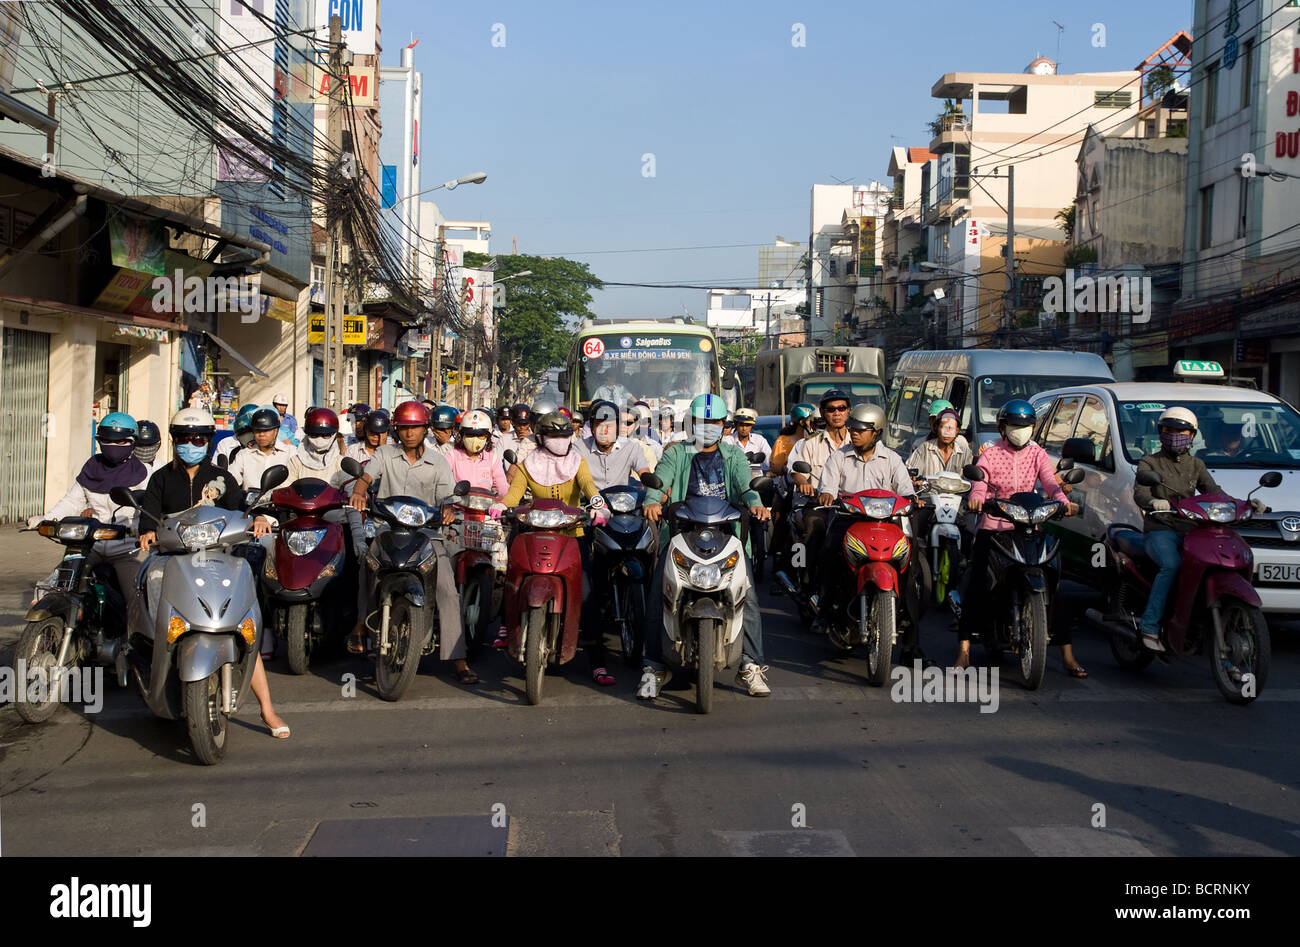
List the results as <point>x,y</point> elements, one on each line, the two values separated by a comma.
<point>1190,367</point>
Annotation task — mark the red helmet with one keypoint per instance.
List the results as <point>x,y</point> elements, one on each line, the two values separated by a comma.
<point>411,414</point>
<point>320,422</point>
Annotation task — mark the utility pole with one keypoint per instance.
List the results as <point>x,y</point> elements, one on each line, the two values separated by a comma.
<point>1013,302</point>
<point>335,295</point>
<point>767,345</point>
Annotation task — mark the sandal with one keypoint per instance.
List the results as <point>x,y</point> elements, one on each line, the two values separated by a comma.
<point>1077,671</point>
<point>503,639</point>
<point>466,676</point>
<point>356,642</point>
<point>602,677</point>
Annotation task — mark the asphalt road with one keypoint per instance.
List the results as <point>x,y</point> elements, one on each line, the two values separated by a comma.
<point>594,771</point>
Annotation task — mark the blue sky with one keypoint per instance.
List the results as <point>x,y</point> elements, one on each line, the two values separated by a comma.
<point>741,122</point>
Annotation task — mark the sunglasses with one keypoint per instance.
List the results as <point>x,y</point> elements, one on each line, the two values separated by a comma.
<point>197,440</point>
<point>837,409</point>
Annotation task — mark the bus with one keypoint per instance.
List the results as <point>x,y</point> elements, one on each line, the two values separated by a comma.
<point>658,361</point>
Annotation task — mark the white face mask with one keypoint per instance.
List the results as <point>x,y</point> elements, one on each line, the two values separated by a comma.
<point>559,446</point>
<point>604,433</point>
<point>1019,436</point>
<point>706,435</point>
<point>320,444</point>
<point>474,445</point>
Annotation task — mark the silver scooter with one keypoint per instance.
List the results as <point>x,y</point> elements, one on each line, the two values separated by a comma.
<point>195,654</point>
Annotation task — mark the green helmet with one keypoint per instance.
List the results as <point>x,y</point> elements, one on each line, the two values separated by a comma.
<point>801,411</point>
<point>938,405</point>
<point>708,408</point>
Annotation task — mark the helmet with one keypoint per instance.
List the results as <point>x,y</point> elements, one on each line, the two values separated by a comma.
<point>1174,417</point>
<point>377,422</point>
<point>599,411</point>
<point>545,407</point>
<point>642,411</point>
<point>265,419</point>
<point>411,414</point>
<point>567,413</point>
<point>949,413</point>
<point>801,411</point>
<point>746,416</point>
<point>117,426</point>
<point>867,417</point>
<point>1017,413</point>
<point>476,424</point>
<point>939,404</point>
<point>321,422</point>
<point>833,394</point>
<point>358,411</point>
<point>444,417</point>
<point>708,408</point>
<point>503,413</point>
<point>554,424</point>
<point>192,421</point>
<point>244,419</point>
<point>521,414</point>
<point>147,434</point>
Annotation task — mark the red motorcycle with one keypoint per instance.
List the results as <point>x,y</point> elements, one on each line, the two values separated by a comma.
<point>1213,607</point>
<point>310,578</point>
<point>543,594</point>
<point>877,552</point>
<point>477,542</point>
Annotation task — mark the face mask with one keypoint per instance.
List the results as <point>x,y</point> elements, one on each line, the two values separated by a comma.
<point>604,434</point>
<point>116,453</point>
<point>706,435</point>
<point>147,454</point>
<point>1019,436</point>
<point>474,445</point>
<point>191,454</point>
<point>559,446</point>
<point>320,444</point>
<point>1178,442</point>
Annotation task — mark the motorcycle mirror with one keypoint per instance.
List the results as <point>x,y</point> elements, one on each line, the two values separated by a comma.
<point>650,480</point>
<point>802,467</point>
<point>765,488</point>
<point>351,467</point>
<point>1064,464</point>
<point>1148,478</point>
<point>973,473</point>
<point>1081,449</point>
<point>461,488</point>
<point>122,496</point>
<point>1072,476</point>
<point>913,472</point>
<point>510,457</point>
<point>272,477</point>
<point>1270,479</point>
<point>223,461</point>
<point>758,456</point>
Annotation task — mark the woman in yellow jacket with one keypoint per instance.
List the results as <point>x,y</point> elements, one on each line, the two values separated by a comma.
<point>555,471</point>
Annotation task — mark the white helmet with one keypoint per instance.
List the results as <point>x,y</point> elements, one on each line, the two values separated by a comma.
<point>475,423</point>
<point>192,421</point>
<point>1177,417</point>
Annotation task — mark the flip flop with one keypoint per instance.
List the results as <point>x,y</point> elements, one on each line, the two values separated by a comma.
<point>466,677</point>
<point>356,643</point>
<point>602,677</point>
<point>1077,671</point>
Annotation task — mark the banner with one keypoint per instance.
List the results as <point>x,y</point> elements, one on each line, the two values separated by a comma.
<point>354,329</point>
<point>359,19</point>
<point>138,243</point>
<point>866,246</point>
<point>363,83</point>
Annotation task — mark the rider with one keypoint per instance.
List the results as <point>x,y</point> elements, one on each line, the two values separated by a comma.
<point>188,481</point>
<point>267,450</point>
<point>243,434</point>
<point>473,456</point>
<point>703,466</point>
<point>443,428</point>
<point>937,407</point>
<point>557,471</point>
<point>944,451</point>
<point>318,455</point>
<point>669,430</point>
<point>375,435</point>
<point>410,468</point>
<point>613,461</point>
<point>800,426</point>
<point>148,439</point>
<point>1014,464</point>
<point>357,413</point>
<point>815,451</point>
<point>750,441</point>
<point>288,423</point>
<point>503,420</point>
<point>630,429</point>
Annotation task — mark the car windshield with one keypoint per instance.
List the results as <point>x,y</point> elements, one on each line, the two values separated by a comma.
<point>1232,433</point>
<point>993,391</point>
<point>659,369</point>
<point>859,392</point>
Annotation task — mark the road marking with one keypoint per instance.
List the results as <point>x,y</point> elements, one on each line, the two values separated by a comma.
<point>463,835</point>
<point>1074,841</point>
<point>796,842</point>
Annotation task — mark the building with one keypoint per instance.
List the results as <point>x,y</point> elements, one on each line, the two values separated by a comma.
<point>761,317</point>
<point>782,265</point>
<point>844,257</point>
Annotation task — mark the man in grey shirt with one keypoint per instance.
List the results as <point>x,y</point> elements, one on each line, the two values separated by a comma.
<point>410,468</point>
<point>612,459</point>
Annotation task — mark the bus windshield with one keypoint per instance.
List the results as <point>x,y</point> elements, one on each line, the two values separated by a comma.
<point>657,368</point>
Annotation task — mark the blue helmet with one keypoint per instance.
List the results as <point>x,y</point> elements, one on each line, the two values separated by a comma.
<point>116,426</point>
<point>708,408</point>
<point>1017,413</point>
<point>244,419</point>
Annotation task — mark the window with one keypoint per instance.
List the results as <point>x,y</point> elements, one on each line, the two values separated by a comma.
<point>1062,423</point>
<point>1095,426</point>
<point>1042,411</point>
<point>960,387</point>
<point>1247,72</point>
<point>1243,206</point>
<point>1112,100</point>
<point>1211,93</point>
<point>1207,217</point>
<point>908,401</point>
<point>736,301</point>
<point>934,387</point>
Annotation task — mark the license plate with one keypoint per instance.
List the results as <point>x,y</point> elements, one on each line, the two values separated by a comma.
<point>1272,572</point>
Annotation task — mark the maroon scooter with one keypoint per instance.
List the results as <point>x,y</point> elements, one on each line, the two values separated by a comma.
<point>1213,608</point>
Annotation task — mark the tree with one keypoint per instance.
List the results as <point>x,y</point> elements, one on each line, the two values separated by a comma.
<point>542,311</point>
<point>1159,81</point>
<point>1066,216</point>
<point>950,110</point>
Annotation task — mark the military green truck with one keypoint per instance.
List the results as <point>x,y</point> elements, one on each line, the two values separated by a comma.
<point>788,376</point>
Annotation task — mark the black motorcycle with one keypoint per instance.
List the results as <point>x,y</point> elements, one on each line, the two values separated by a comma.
<point>623,553</point>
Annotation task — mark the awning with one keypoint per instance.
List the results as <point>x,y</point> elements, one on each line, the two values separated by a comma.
<point>235,355</point>
<point>19,112</point>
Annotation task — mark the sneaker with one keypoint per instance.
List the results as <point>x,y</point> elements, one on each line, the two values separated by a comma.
<point>751,675</point>
<point>651,683</point>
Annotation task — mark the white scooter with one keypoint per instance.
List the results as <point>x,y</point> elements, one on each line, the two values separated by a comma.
<point>943,496</point>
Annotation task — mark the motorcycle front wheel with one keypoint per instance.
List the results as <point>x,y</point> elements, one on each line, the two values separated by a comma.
<point>298,639</point>
<point>880,649</point>
<point>206,722</point>
<point>535,653</point>
<point>1245,649</point>
<point>1033,647</point>
<point>38,648</point>
<point>476,611</point>
<point>706,648</point>
<point>408,629</point>
<point>633,624</point>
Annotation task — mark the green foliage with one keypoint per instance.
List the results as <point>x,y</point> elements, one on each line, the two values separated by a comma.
<point>542,311</point>
<point>1159,81</point>
<point>1066,216</point>
<point>1076,255</point>
<point>950,108</point>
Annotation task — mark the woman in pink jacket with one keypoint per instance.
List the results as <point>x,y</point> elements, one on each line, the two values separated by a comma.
<point>473,459</point>
<point>1012,465</point>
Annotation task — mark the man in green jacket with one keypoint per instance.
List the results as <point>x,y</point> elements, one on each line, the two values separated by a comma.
<point>703,466</point>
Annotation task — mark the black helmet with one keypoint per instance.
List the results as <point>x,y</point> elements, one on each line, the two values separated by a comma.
<point>521,414</point>
<point>503,413</point>
<point>266,419</point>
<point>554,424</point>
<point>599,411</point>
<point>834,394</point>
<point>378,422</point>
<point>444,417</point>
<point>1017,413</point>
<point>147,434</point>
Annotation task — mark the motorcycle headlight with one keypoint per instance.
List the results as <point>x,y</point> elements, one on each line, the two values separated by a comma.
<point>622,502</point>
<point>1219,512</point>
<point>476,502</point>
<point>547,519</point>
<point>1015,511</point>
<point>201,535</point>
<point>74,532</point>
<point>301,542</point>
<point>948,484</point>
<point>1045,512</point>
<point>408,514</point>
<point>879,508</point>
<point>706,575</point>
<point>368,529</point>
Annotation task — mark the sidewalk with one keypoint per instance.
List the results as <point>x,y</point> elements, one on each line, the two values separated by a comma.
<point>25,558</point>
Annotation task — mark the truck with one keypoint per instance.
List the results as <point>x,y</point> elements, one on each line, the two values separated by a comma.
<point>785,377</point>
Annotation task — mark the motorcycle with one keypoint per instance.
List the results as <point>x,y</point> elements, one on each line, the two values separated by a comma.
<point>194,655</point>
<point>1024,569</point>
<point>623,558</point>
<point>758,538</point>
<point>942,495</point>
<point>799,587</point>
<point>543,594</point>
<point>78,620</point>
<point>309,580</point>
<point>1213,607</point>
<point>706,580</point>
<point>478,551</point>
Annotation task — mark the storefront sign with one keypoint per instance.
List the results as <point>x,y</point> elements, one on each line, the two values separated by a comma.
<point>144,332</point>
<point>362,84</point>
<point>137,243</point>
<point>354,330</point>
<point>866,246</point>
<point>273,307</point>
<point>358,19</point>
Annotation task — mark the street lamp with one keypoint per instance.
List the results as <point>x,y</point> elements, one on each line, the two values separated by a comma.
<point>478,177</point>
<point>1263,170</point>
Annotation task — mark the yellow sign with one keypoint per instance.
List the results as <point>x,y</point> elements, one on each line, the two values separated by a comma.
<point>354,330</point>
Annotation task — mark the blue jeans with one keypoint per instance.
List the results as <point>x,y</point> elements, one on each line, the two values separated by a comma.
<point>1165,548</point>
<point>751,623</point>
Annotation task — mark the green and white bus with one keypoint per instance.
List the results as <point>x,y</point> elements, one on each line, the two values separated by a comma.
<point>659,361</point>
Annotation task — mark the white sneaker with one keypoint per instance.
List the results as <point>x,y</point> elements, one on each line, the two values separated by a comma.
<point>651,682</point>
<point>751,675</point>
